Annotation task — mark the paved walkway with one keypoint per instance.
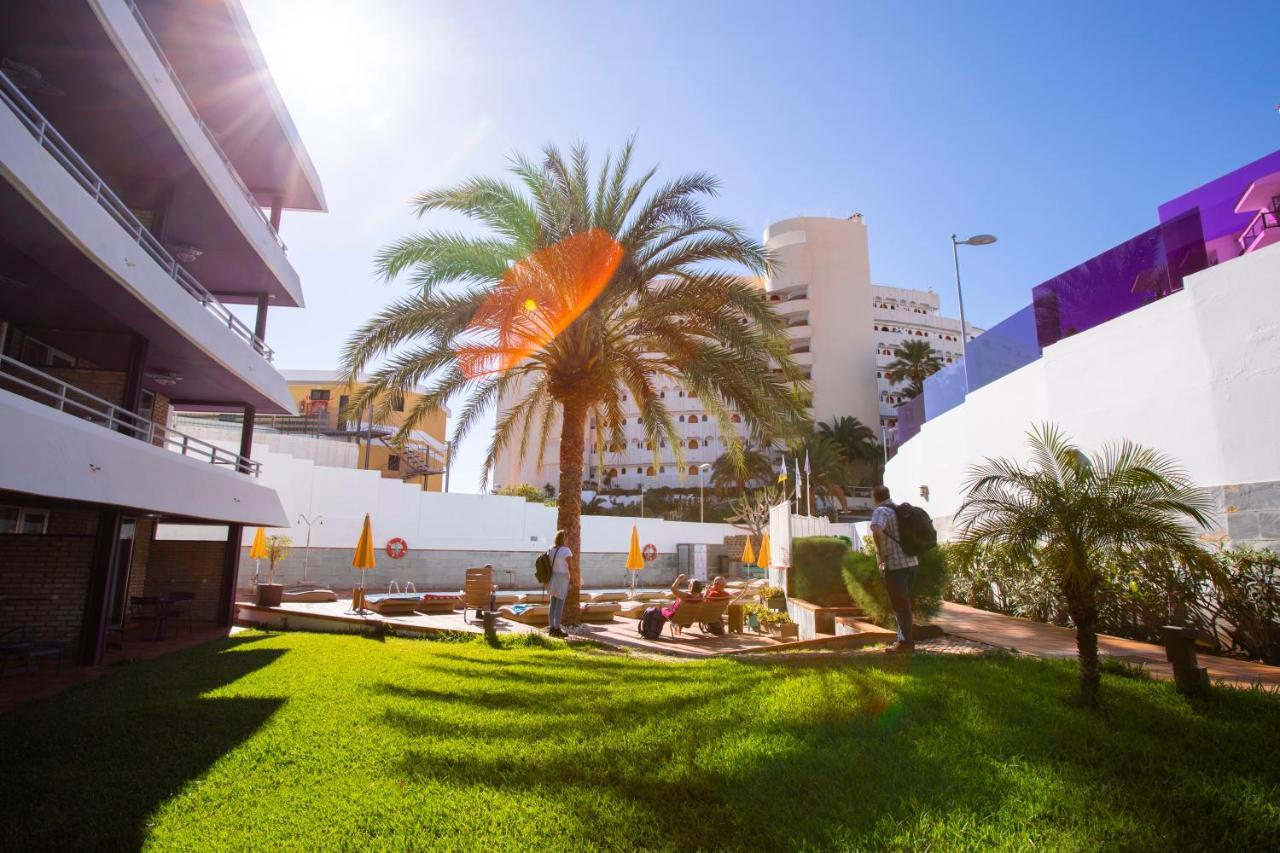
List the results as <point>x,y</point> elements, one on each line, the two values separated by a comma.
<point>1052,641</point>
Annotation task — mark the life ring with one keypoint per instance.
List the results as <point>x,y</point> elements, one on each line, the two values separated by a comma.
<point>397,548</point>
<point>650,553</point>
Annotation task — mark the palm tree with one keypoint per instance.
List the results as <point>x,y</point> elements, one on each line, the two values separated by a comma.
<point>740,468</point>
<point>1073,511</point>
<point>913,363</point>
<point>857,444</point>
<point>583,291</point>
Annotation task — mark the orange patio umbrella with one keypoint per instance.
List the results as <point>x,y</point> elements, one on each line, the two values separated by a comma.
<point>763,561</point>
<point>362,561</point>
<point>748,553</point>
<point>635,560</point>
<point>258,550</point>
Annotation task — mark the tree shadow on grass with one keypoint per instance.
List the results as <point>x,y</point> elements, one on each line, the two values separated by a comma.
<point>85,769</point>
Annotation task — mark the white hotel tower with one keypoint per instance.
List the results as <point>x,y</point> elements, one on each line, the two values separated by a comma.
<point>840,326</point>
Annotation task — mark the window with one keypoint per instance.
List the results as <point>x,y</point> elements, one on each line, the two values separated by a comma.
<point>693,469</point>
<point>662,469</point>
<point>14,519</point>
<point>682,419</point>
<point>735,418</point>
<point>393,462</point>
<point>704,419</point>
<point>40,354</point>
<point>693,444</point>
<point>649,471</point>
<point>397,401</point>
<point>319,393</point>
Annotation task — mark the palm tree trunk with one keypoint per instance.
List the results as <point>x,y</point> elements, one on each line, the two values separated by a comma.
<point>573,430</point>
<point>1082,604</point>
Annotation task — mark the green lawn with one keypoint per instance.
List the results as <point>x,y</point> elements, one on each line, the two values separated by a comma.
<point>297,741</point>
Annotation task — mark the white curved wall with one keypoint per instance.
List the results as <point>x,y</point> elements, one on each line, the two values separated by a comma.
<point>1195,375</point>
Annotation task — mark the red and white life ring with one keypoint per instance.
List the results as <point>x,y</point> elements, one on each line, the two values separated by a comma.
<point>397,548</point>
<point>650,553</point>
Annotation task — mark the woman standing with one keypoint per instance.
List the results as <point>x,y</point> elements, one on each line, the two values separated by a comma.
<point>558,587</point>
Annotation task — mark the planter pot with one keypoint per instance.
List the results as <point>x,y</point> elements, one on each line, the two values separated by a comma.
<point>789,631</point>
<point>269,594</point>
<point>778,602</point>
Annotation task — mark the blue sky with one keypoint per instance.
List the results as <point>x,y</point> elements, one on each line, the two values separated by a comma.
<point>1059,127</point>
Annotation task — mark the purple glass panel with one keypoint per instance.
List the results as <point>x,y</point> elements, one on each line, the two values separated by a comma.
<point>1003,348</point>
<point>1217,201</point>
<point>910,418</point>
<point>944,390</point>
<point>1135,273</point>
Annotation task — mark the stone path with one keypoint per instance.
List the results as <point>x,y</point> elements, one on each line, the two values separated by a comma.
<point>1052,641</point>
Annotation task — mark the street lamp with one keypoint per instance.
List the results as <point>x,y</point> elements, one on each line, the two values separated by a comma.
<point>702,493</point>
<point>642,500</point>
<point>975,240</point>
<point>306,553</point>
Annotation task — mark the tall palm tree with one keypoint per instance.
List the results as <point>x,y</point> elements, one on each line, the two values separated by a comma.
<point>740,470</point>
<point>913,363</point>
<point>859,446</point>
<point>583,291</point>
<point>1073,511</point>
<point>830,475</point>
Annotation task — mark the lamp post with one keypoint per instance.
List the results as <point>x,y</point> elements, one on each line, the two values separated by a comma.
<point>306,552</point>
<point>975,240</point>
<point>642,500</point>
<point>702,493</point>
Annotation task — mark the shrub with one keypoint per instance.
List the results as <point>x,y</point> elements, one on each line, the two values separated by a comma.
<point>866,586</point>
<point>528,491</point>
<point>816,566</point>
<point>764,615</point>
<point>1245,607</point>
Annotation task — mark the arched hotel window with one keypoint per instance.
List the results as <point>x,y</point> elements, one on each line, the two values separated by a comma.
<point>693,444</point>
<point>693,469</point>
<point>650,471</point>
<point>735,418</point>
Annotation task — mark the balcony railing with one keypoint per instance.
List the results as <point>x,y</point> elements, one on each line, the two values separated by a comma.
<point>62,151</point>
<point>1257,228</point>
<point>51,391</point>
<point>195,114</point>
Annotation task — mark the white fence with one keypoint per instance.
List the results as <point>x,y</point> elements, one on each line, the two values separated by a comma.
<point>785,526</point>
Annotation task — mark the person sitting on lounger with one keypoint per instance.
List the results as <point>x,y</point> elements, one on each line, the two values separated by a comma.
<point>693,595</point>
<point>717,591</point>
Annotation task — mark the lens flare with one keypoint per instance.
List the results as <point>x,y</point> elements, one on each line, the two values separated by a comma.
<point>537,299</point>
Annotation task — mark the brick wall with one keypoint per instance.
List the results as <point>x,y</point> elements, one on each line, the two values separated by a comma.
<point>43,578</point>
<point>107,384</point>
<point>141,555</point>
<point>187,566</point>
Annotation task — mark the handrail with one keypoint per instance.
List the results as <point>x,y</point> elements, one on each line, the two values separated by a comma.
<point>1257,226</point>
<point>66,397</point>
<point>49,139</point>
<point>195,114</point>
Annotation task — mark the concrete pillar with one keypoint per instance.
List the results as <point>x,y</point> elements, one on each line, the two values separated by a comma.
<point>260,319</point>
<point>230,572</point>
<point>135,373</point>
<point>102,572</point>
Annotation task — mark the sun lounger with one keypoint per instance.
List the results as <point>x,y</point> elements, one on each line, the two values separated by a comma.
<point>309,595</point>
<point>702,613</point>
<point>599,611</point>
<point>528,614</point>
<point>605,596</point>
<point>633,609</point>
<point>477,589</point>
<point>648,596</point>
<point>438,602</point>
<point>393,603</point>
<point>535,598</point>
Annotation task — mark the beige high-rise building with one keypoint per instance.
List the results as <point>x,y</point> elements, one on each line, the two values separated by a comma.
<point>837,322</point>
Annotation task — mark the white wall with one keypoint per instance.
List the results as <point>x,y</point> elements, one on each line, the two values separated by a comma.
<point>1195,375</point>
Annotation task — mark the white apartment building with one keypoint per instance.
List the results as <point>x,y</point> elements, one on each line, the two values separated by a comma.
<point>840,326</point>
<point>898,315</point>
<point>145,162</point>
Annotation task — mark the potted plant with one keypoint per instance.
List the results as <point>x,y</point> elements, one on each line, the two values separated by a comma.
<point>270,593</point>
<point>773,597</point>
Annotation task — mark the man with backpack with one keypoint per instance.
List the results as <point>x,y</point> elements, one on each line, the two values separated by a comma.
<point>900,536</point>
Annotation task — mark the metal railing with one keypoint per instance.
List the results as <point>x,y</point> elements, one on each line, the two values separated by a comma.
<point>195,114</point>
<point>35,384</point>
<point>53,142</point>
<point>1257,227</point>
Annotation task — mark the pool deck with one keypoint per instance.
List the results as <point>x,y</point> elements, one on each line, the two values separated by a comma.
<point>336,616</point>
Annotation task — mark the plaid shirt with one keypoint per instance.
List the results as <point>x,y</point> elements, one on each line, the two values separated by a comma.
<point>884,519</point>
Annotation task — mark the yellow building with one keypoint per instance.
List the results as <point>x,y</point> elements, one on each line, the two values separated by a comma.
<point>321,397</point>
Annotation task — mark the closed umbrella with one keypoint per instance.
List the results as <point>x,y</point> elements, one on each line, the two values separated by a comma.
<point>258,551</point>
<point>362,561</point>
<point>763,560</point>
<point>748,554</point>
<point>635,560</point>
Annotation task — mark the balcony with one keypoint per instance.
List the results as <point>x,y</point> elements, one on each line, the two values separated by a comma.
<point>1262,231</point>
<point>48,138</point>
<point>204,128</point>
<point>35,384</point>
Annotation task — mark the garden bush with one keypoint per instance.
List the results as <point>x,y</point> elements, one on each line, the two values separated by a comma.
<point>816,566</point>
<point>866,586</point>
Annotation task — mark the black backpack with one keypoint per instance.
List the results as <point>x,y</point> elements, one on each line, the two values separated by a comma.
<point>652,622</point>
<point>542,568</point>
<point>916,534</point>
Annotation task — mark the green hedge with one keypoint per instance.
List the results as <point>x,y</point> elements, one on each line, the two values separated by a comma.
<point>816,563</point>
<point>866,586</point>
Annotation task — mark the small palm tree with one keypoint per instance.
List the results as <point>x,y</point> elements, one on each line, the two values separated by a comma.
<point>913,363</point>
<point>739,469</point>
<point>584,290</point>
<point>830,475</point>
<point>1075,511</point>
